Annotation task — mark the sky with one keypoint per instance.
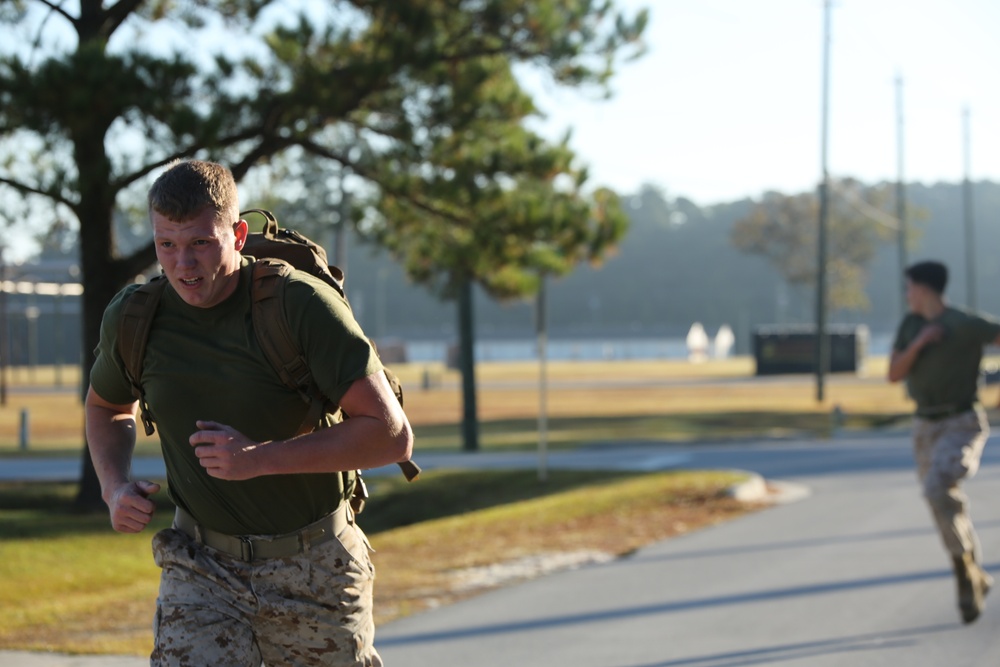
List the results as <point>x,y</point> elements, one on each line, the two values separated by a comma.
<point>728,101</point>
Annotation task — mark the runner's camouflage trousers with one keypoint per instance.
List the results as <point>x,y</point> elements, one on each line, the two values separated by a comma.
<point>948,451</point>
<point>310,609</point>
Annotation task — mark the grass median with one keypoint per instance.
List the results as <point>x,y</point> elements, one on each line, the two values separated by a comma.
<point>69,583</point>
<point>585,402</point>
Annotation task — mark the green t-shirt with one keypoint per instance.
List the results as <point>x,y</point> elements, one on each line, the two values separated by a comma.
<point>205,363</point>
<point>946,373</point>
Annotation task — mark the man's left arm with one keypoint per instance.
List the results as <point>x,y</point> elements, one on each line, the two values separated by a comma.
<point>377,433</point>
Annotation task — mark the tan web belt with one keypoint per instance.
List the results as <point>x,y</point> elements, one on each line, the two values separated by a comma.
<point>250,548</point>
<point>939,412</point>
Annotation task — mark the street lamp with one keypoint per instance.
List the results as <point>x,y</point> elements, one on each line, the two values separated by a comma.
<point>543,381</point>
<point>3,328</point>
<point>822,351</point>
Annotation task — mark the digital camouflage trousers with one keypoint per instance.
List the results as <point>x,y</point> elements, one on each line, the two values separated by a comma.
<point>310,609</point>
<point>946,452</point>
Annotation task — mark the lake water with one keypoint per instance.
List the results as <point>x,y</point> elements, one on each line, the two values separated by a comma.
<point>583,349</point>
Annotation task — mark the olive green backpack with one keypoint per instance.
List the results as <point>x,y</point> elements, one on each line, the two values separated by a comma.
<point>277,252</point>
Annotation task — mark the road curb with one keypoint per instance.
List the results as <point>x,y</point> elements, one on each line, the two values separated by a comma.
<point>755,489</point>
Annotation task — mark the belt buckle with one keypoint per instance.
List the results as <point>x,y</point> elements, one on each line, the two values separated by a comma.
<point>246,549</point>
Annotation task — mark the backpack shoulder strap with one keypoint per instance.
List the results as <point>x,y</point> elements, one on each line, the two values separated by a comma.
<point>276,340</point>
<point>282,349</point>
<point>134,324</point>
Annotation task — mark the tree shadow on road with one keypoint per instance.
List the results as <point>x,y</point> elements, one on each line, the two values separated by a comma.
<point>810,543</point>
<point>876,641</point>
<point>597,616</point>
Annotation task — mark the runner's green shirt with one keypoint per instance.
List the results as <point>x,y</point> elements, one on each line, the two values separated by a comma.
<point>205,364</point>
<point>946,373</point>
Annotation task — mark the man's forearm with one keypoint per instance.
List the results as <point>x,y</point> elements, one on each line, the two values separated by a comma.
<point>359,442</point>
<point>111,441</point>
<point>901,362</point>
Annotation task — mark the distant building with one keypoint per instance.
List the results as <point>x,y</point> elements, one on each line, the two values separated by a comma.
<point>41,316</point>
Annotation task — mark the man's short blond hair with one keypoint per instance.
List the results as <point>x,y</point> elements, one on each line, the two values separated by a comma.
<point>186,189</point>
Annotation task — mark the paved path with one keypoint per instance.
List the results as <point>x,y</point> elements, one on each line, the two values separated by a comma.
<point>850,574</point>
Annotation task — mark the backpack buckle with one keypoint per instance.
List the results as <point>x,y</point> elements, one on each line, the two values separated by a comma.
<point>147,421</point>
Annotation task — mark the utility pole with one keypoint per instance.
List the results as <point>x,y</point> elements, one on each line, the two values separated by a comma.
<point>970,240</point>
<point>901,196</point>
<point>340,232</point>
<point>543,381</point>
<point>822,345</point>
<point>467,365</point>
<point>4,344</point>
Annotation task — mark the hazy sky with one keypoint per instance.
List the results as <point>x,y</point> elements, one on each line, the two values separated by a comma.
<point>727,103</point>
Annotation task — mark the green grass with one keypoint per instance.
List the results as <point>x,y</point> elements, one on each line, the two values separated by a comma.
<point>69,583</point>
<point>568,433</point>
<point>61,571</point>
<point>663,400</point>
<point>439,494</point>
<point>571,432</point>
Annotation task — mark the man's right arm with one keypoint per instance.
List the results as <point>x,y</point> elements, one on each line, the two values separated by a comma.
<point>111,440</point>
<point>901,361</point>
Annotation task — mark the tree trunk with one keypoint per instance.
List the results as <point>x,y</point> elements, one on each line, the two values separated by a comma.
<point>95,299</point>
<point>467,365</point>
<point>102,274</point>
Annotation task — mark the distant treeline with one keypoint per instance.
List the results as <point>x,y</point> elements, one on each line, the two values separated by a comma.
<point>677,265</point>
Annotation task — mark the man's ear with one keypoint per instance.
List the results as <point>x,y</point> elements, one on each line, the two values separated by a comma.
<point>241,229</point>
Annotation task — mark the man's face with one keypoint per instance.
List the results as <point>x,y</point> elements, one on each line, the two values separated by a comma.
<point>200,256</point>
<point>916,295</point>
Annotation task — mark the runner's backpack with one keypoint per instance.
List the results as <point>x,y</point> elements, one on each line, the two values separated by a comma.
<point>277,253</point>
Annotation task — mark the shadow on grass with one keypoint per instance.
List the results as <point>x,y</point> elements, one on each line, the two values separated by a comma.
<point>36,510</point>
<point>565,432</point>
<point>443,493</point>
<point>39,510</point>
<point>689,427</point>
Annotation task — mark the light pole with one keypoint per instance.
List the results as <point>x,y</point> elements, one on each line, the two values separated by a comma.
<point>340,232</point>
<point>543,382</point>
<point>3,328</point>
<point>900,196</point>
<point>822,348</point>
<point>970,238</point>
<point>31,315</point>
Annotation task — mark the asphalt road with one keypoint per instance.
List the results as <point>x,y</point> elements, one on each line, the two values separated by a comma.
<point>850,573</point>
